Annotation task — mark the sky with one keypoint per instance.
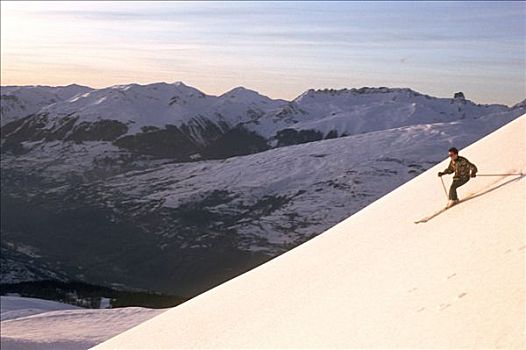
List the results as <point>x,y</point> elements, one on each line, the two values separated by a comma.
<point>279,49</point>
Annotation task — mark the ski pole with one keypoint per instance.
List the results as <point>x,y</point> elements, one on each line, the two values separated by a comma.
<point>444,187</point>
<point>520,174</point>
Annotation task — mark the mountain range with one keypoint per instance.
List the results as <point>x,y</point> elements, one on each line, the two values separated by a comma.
<point>163,187</point>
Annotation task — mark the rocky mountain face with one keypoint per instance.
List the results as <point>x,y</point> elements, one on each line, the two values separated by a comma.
<point>164,187</point>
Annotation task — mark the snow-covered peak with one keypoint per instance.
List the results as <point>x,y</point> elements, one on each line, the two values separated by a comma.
<point>41,95</point>
<point>244,95</point>
<point>348,98</point>
<point>241,105</point>
<point>353,111</point>
<point>21,101</point>
<point>135,105</point>
<point>521,104</point>
<point>159,88</point>
<point>66,92</point>
<point>153,106</point>
<point>66,89</point>
<point>325,112</point>
<point>179,83</point>
<point>323,94</point>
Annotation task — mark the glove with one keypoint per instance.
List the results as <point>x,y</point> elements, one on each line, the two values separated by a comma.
<point>473,174</point>
<point>440,174</point>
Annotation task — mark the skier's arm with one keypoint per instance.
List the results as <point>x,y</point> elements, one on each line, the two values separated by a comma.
<point>449,169</point>
<point>473,169</point>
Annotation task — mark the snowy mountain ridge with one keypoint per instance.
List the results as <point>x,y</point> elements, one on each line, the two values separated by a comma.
<point>156,105</point>
<point>21,101</point>
<point>354,111</point>
<point>147,119</point>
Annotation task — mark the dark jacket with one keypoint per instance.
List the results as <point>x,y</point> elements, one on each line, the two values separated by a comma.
<point>461,167</point>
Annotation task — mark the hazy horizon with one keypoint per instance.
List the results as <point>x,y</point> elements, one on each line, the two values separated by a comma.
<point>248,88</point>
<point>280,49</point>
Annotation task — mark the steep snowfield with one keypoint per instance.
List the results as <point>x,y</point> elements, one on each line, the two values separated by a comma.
<point>378,279</point>
<point>29,323</point>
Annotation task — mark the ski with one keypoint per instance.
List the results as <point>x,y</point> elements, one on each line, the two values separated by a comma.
<point>427,218</point>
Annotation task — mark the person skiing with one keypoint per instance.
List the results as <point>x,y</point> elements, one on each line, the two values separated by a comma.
<point>463,170</point>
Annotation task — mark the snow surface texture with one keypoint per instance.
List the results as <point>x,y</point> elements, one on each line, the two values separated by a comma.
<point>29,323</point>
<point>377,279</point>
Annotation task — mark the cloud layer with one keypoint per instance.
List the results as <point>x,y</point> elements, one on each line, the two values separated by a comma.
<point>278,48</point>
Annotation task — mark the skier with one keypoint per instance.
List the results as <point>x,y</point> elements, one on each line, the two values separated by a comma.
<point>463,170</point>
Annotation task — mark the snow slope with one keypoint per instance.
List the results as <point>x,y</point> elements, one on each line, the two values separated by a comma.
<point>29,323</point>
<point>379,280</point>
<point>16,307</point>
